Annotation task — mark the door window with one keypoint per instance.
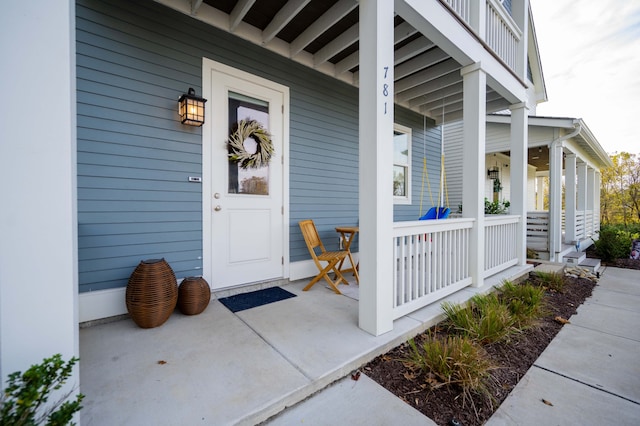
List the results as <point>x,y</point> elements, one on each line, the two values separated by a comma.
<point>247,181</point>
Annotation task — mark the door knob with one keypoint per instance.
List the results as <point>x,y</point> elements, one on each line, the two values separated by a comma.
<point>217,208</point>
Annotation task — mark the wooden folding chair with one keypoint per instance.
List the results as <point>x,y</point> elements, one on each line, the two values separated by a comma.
<point>311,237</point>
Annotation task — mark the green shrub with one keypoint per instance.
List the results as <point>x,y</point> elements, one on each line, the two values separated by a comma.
<point>22,401</point>
<point>496,207</point>
<point>525,302</point>
<point>614,242</point>
<point>455,360</point>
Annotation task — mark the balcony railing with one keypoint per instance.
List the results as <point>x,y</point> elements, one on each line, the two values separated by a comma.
<point>501,33</point>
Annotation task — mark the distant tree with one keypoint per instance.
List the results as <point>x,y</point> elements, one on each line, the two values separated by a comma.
<point>620,190</point>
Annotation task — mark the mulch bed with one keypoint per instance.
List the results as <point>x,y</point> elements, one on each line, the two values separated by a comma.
<point>513,358</point>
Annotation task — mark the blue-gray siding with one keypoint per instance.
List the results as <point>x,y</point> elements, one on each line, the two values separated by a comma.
<point>134,158</point>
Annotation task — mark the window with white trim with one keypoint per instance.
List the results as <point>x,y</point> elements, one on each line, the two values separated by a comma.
<point>401,164</point>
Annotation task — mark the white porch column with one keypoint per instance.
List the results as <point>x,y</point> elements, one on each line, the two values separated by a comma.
<point>473,161</point>
<point>581,186</point>
<point>570,199</point>
<point>555,200</point>
<point>38,219</point>
<point>375,166</point>
<point>540,193</point>
<point>519,144</point>
<point>591,197</point>
<point>596,204</point>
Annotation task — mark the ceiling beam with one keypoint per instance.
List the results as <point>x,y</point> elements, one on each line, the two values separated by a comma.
<point>411,49</point>
<point>441,92</point>
<point>429,87</point>
<point>337,45</point>
<point>420,77</point>
<point>282,18</point>
<point>239,12</point>
<point>419,62</point>
<point>322,24</point>
<point>195,5</point>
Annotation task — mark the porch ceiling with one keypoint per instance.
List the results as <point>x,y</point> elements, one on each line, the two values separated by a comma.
<point>323,34</point>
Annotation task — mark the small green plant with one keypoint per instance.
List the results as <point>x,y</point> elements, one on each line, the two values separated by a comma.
<point>455,360</point>
<point>484,318</point>
<point>496,207</point>
<point>525,302</point>
<point>532,254</point>
<point>23,399</point>
<point>551,280</point>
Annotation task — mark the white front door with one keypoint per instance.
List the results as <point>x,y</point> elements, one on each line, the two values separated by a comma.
<point>244,211</point>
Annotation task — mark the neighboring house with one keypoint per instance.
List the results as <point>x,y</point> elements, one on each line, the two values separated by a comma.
<point>101,174</point>
<point>560,149</point>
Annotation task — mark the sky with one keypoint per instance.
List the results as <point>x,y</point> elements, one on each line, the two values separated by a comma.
<point>590,54</point>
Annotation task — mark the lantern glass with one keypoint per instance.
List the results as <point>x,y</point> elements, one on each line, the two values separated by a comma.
<point>493,173</point>
<point>191,109</point>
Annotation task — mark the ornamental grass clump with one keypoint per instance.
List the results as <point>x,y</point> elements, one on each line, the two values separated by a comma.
<point>552,280</point>
<point>484,318</point>
<point>525,302</point>
<point>454,360</point>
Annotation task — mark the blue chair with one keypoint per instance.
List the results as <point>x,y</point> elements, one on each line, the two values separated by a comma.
<point>436,213</point>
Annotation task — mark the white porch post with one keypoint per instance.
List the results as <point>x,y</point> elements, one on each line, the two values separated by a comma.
<point>376,167</point>
<point>570,199</point>
<point>38,221</point>
<point>519,144</point>
<point>581,187</point>
<point>591,197</point>
<point>596,203</point>
<point>555,200</point>
<point>473,161</point>
<point>540,193</point>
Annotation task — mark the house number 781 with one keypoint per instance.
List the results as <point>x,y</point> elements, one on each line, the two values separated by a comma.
<point>385,89</point>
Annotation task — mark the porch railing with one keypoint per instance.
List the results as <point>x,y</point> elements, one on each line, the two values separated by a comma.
<point>500,238</point>
<point>580,224</point>
<point>588,223</point>
<point>431,262</point>
<point>501,33</point>
<point>538,230</point>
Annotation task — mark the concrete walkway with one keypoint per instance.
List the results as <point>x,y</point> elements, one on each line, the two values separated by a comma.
<point>220,368</point>
<point>590,373</point>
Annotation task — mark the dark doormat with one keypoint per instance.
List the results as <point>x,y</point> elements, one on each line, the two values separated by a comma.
<point>241,302</point>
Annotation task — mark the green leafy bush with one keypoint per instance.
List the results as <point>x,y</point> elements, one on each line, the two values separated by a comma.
<point>22,401</point>
<point>496,207</point>
<point>614,242</point>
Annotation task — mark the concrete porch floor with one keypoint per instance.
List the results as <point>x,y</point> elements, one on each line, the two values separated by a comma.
<point>223,368</point>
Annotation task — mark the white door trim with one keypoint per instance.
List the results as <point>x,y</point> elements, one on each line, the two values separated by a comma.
<point>208,66</point>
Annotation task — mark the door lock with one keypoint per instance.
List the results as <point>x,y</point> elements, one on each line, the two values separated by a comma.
<point>216,195</point>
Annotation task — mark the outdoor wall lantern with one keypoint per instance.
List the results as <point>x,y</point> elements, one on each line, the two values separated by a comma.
<point>493,173</point>
<point>191,108</point>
